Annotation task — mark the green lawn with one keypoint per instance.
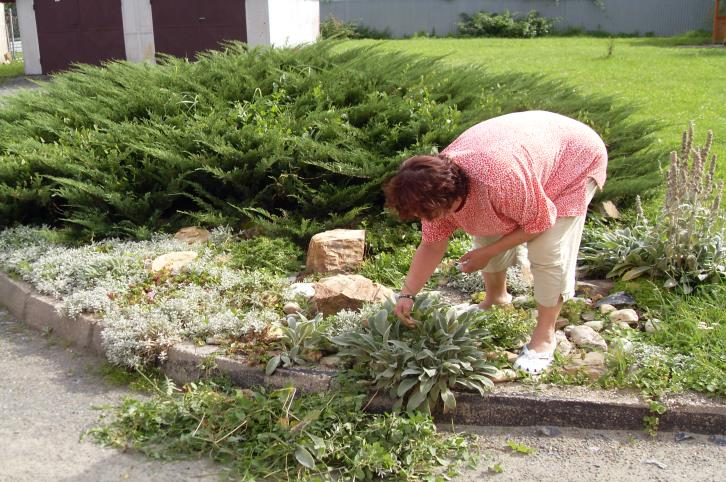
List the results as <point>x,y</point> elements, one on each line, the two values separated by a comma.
<point>669,82</point>
<point>13,69</point>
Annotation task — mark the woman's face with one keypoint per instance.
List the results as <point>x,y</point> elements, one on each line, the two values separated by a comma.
<point>443,212</point>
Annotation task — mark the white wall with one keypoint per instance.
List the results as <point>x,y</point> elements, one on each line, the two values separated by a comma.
<point>282,23</point>
<point>4,47</point>
<point>294,22</point>
<point>138,30</point>
<point>29,37</point>
<point>258,22</point>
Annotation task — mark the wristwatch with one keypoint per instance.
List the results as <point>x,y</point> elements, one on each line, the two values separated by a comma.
<point>406,295</point>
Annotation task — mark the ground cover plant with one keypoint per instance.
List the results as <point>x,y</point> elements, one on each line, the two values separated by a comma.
<point>283,434</point>
<point>290,140</point>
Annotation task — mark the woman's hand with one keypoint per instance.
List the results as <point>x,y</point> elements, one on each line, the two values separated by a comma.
<point>403,311</point>
<point>475,260</point>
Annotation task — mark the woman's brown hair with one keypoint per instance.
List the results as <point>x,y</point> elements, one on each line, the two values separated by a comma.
<point>425,186</point>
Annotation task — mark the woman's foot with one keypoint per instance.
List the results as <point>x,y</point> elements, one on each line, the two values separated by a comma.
<point>534,362</point>
<point>488,302</point>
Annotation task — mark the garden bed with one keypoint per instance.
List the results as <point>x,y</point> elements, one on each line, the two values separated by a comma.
<point>184,355</point>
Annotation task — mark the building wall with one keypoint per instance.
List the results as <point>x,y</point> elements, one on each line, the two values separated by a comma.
<point>407,17</point>
<point>294,22</point>
<point>29,37</point>
<point>282,22</point>
<point>138,30</point>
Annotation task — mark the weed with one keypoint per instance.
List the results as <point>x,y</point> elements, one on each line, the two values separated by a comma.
<point>520,448</point>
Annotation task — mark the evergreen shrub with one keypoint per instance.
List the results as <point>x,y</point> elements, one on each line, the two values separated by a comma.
<point>292,140</point>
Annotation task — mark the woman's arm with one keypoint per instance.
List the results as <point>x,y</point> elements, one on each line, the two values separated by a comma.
<point>477,259</point>
<point>425,260</point>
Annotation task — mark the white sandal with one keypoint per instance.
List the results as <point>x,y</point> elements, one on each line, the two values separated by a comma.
<point>533,362</point>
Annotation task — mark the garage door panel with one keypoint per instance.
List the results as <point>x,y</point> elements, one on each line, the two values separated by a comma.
<point>99,46</point>
<point>100,14</point>
<point>222,12</point>
<point>175,13</point>
<point>54,16</point>
<point>78,31</point>
<point>59,51</point>
<point>179,41</point>
<point>211,37</point>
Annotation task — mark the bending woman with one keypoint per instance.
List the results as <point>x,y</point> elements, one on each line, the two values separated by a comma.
<point>526,177</point>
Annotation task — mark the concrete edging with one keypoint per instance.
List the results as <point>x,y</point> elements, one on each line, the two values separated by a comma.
<point>512,407</point>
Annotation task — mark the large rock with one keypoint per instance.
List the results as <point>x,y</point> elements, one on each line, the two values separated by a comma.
<point>174,261</point>
<point>339,292</point>
<point>621,298</point>
<point>592,363</point>
<point>192,235</point>
<point>339,250</point>
<point>585,337</point>
<point>627,315</point>
<point>596,325</point>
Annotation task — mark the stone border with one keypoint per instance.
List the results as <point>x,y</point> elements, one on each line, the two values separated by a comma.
<point>512,405</point>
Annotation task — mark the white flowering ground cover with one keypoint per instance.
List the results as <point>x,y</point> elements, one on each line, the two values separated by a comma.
<point>145,313</point>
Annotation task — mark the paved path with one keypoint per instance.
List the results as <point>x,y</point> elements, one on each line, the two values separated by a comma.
<point>16,84</point>
<point>47,391</point>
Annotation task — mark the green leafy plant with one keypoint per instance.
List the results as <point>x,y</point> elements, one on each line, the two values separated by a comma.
<point>277,255</point>
<point>685,245</point>
<point>485,24</point>
<point>508,327</point>
<point>420,366</point>
<point>256,433</point>
<point>519,447</point>
<point>304,340</point>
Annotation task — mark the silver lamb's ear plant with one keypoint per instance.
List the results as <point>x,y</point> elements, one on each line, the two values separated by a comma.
<point>420,366</point>
<point>685,245</point>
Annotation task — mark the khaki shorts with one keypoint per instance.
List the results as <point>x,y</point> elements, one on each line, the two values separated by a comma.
<point>552,256</point>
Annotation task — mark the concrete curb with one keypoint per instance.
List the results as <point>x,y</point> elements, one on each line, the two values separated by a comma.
<point>508,405</point>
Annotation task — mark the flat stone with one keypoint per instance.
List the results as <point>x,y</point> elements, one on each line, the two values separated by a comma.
<point>653,325</point>
<point>681,436</point>
<point>592,363</point>
<point>594,288</point>
<point>347,292</point>
<point>627,315</point>
<point>585,337</point>
<point>610,210</point>
<point>606,308</point>
<point>623,325</point>
<point>338,250</point>
<point>596,325</point>
<point>192,235</point>
<point>621,298</point>
<point>303,290</point>
<point>719,440</point>
<point>291,308</point>
<point>174,261</point>
<point>561,323</point>
<point>587,316</point>
<point>331,361</point>
<point>501,376</point>
<point>565,347</point>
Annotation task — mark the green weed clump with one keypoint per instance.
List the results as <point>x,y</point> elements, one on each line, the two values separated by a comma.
<point>292,140</point>
<point>283,434</point>
<point>485,24</point>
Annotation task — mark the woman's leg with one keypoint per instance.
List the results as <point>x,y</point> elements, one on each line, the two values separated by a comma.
<point>496,289</point>
<point>495,274</point>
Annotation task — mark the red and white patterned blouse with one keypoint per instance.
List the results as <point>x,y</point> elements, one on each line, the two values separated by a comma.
<point>525,169</point>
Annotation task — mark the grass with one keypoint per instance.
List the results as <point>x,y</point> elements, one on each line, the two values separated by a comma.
<point>670,79</point>
<point>13,69</point>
